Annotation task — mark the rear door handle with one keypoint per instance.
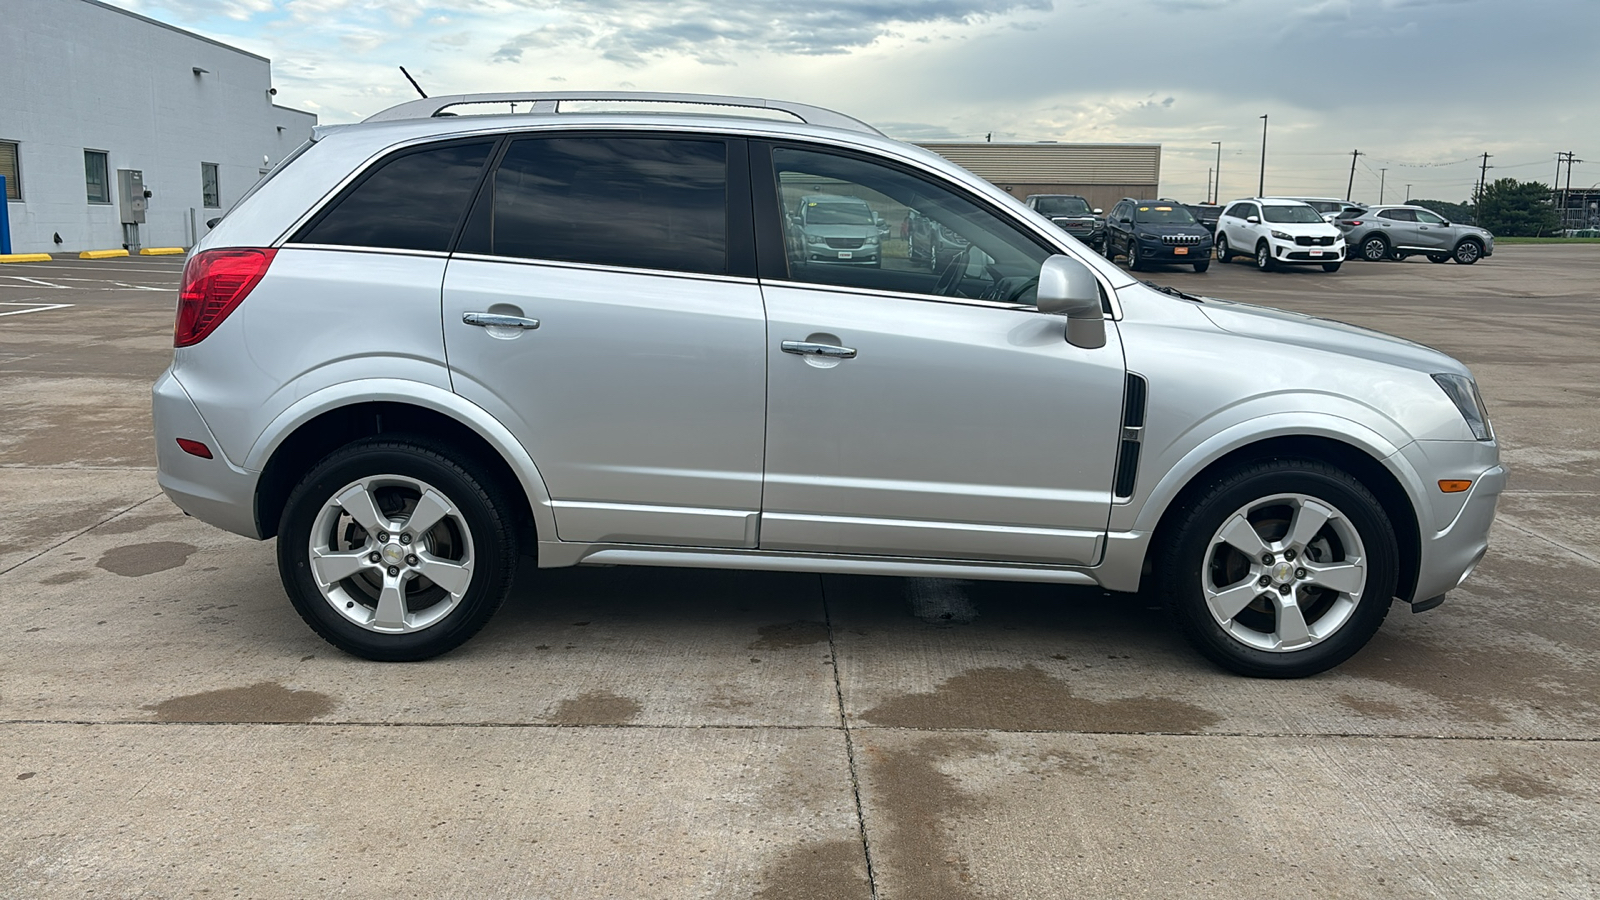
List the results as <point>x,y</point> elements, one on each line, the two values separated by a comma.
<point>496,320</point>
<point>808,348</point>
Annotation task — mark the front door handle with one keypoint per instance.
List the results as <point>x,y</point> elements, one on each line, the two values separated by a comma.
<point>496,320</point>
<point>808,348</point>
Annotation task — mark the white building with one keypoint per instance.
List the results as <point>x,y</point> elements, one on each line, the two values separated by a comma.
<point>87,89</point>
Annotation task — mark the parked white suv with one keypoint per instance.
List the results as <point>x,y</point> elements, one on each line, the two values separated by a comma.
<point>1278,232</point>
<point>430,345</point>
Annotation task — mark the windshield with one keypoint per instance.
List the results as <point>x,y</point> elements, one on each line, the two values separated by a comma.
<point>1063,206</point>
<point>1304,214</point>
<point>1164,215</point>
<point>838,214</point>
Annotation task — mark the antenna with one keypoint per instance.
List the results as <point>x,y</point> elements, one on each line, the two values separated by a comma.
<point>413,82</point>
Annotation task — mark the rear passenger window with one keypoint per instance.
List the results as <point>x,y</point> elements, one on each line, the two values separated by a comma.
<point>646,203</point>
<point>411,202</point>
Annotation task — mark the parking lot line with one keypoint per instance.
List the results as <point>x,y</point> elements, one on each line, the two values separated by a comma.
<point>36,307</point>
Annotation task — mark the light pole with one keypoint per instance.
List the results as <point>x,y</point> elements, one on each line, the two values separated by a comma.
<point>1382,174</point>
<point>1408,193</point>
<point>1217,196</point>
<point>1261,188</point>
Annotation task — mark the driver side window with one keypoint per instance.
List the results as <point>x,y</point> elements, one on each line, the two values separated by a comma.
<point>851,222</point>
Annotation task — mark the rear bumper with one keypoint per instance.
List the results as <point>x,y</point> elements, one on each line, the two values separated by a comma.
<point>212,490</point>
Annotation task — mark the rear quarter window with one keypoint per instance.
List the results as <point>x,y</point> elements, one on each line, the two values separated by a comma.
<point>411,201</point>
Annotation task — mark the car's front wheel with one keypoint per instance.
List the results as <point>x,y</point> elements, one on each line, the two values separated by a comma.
<point>1223,253</point>
<point>391,550</point>
<point>1331,267</point>
<point>1264,260</point>
<point>1202,265</point>
<point>1468,252</point>
<point>1135,260</point>
<point>1280,569</point>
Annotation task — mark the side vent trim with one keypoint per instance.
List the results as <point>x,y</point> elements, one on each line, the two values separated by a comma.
<point>1134,402</point>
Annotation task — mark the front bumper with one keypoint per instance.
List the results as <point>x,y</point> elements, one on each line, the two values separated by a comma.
<point>212,490</point>
<point>864,255</point>
<point>1454,527</point>
<point>1159,251</point>
<point>1289,252</point>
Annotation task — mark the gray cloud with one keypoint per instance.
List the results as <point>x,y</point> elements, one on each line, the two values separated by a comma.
<point>632,32</point>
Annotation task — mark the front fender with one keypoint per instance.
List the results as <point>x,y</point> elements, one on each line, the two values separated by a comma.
<point>426,396</point>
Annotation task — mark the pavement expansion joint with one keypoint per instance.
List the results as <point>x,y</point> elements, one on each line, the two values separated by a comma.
<point>1512,524</point>
<point>849,744</point>
<point>79,534</point>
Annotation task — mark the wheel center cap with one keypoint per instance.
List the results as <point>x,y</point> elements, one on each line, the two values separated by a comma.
<point>393,554</point>
<point>1282,573</point>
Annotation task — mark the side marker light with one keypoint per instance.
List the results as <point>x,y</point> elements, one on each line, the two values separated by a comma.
<point>1453,487</point>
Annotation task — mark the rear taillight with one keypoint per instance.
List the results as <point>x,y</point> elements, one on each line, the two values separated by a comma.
<point>214,282</point>
<point>1351,222</point>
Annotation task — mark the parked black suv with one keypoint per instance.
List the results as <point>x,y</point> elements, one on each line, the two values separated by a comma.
<point>1156,231</point>
<point>1206,214</point>
<point>1073,215</point>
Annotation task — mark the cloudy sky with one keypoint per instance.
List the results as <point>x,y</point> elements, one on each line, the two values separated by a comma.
<point>1422,87</point>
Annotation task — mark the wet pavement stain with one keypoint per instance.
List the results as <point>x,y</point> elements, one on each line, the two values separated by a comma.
<point>267,701</point>
<point>789,635</point>
<point>1377,709</point>
<point>596,708</point>
<point>130,524</point>
<point>1517,784</point>
<point>835,870</point>
<point>64,577</point>
<point>135,560</point>
<point>1028,699</point>
<point>921,805</point>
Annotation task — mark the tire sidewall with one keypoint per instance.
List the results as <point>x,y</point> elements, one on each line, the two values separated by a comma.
<point>484,515</point>
<point>1475,254</point>
<point>1380,243</point>
<point>1184,555</point>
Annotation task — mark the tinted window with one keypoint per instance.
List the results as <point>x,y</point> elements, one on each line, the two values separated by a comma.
<point>1325,206</point>
<point>1062,206</point>
<point>1237,211</point>
<point>1290,214</point>
<point>1428,217</point>
<point>411,202</point>
<point>648,203</point>
<point>904,233</point>
<point>1398,215</point>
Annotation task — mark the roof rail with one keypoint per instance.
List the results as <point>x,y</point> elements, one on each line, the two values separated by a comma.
<point>548,103</point>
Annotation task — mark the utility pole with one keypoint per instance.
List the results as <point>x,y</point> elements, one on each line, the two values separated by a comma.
<point>1262,187</point>
<point>1408,193</point>
<point>1217,191</point>
<point>1567,191</point>
<point>1208,184</point>
<point>1351,187</point>
<point>1383,175</point>
<point>1483,185</point>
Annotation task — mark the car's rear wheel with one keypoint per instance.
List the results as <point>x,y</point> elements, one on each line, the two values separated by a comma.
<point>1264,260</point>
<point>1468,252</point>
<point>1438,257</point>
<point>1331,267</point>
<point>390,550</point>
<point>1223,253</point>
<point>1280,569</point>
<point>1375,248</point>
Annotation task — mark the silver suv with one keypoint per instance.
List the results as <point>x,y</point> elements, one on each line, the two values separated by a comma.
<point>430,345</point>
<point>1395,232</point>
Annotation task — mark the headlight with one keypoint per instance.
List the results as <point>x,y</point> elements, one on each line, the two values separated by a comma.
<point>1283,236</point>
<point>1463,392</point>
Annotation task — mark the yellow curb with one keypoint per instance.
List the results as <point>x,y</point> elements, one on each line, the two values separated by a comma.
<point>162,251</point>
<point>101,254</point>
<point>25,257</point>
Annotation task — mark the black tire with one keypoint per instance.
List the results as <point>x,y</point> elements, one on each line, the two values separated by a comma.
<point>1223,253</point>
<point>1202,265</point>
<point>1438,257</point>
<point>1264,260</point>
<point>477,532</point>
<point>1109,250</point>
<point>1375,248</point>
<point>1331,267</point>
<point>1188,564</point>
<point>1134,261</point>
<point>1468,252</point>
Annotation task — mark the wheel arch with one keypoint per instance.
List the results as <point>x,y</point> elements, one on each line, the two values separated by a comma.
<point>1358,462</point>
<point>298,441</point>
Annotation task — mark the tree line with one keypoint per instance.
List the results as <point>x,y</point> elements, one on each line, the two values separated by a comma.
<point>1505,206</point>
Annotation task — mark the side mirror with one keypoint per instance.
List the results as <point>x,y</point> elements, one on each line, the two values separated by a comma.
<point>1098,210</point>
<point>1067,286</point>
<point>1253,220</point>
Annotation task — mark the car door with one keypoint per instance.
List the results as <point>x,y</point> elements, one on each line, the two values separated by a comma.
<point>1433,233</point>
<point>602,304</point>
<point>921,414</point>
<point>1119,228</point>
<point>1399,226</point>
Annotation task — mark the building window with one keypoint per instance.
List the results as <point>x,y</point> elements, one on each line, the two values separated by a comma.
<point>11,169</point>
<point>210,193</point>
<point>94,175</point>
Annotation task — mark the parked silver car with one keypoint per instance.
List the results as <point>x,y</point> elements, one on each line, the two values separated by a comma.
<point>633,370</point>
<point>1395,232</point>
